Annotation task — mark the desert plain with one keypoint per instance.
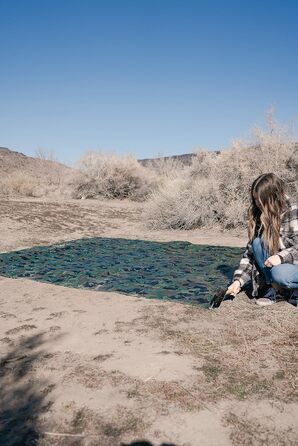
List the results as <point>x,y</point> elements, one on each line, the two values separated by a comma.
<point>81,367</point>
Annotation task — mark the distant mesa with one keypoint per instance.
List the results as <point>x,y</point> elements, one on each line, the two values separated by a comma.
<point>185,158</point>
<point>6,150</point>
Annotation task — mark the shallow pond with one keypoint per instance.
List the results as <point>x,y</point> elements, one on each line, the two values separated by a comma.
<point>170,270</point>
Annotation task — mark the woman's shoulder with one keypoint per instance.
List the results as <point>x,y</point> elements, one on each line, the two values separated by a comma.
<point>291,213</point>
<point>293,203</point>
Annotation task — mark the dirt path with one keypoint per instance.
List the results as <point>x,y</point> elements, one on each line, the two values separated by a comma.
<point>28,222</point>
<point>95,368</point>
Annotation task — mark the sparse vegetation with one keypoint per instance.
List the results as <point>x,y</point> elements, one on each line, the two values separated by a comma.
<point>211,190</point>
<point>214,190</point>
<point>252,372</point>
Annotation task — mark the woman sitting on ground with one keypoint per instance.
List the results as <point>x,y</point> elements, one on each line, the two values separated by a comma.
<point>270,261</point>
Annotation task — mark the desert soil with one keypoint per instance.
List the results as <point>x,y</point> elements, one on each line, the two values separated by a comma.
<point>100,368</point>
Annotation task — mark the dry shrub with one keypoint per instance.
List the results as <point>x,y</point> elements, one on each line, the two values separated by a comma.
<point>54,180</point>
<point>18,183</point>
<point>112,176</point>
<point>214,190</point>
<point>179,204</point>
<point>165,168</point>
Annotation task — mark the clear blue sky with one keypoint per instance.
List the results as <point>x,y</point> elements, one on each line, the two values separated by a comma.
<point>150,77</point>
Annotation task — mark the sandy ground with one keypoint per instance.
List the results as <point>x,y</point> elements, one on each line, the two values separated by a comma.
<point>95,368</point>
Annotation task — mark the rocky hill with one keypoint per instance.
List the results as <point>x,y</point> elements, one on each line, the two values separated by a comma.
<point>12,161</point>
<point>24,175</point>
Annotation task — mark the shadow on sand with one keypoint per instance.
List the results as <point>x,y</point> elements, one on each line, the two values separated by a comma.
<point>21,397</point>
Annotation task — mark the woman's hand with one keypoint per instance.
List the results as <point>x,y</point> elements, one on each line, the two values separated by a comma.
<point>273,261</point>
<point>234,288</point>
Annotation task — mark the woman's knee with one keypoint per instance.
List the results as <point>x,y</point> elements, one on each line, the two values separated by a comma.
<point>281,275</point>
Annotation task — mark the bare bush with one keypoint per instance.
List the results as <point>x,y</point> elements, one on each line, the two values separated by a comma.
<point>112,176</point>
<point>165,168</point>
<point>180,204</point>
<point>46,154</point>
<point>215,189</point>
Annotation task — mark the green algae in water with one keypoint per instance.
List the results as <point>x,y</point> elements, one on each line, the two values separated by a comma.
<point>176,270</point>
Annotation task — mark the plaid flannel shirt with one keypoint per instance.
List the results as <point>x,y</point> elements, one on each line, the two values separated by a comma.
<point>288,241</point>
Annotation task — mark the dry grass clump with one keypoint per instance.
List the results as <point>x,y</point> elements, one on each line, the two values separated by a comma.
<point>32,177</point>
<point>18,183</point>
<point>251,358</point>
<point>214,190</point>
<point>47,182</point>
<point>92,428</point>
<point>249,430</point>
<point>111,176</point>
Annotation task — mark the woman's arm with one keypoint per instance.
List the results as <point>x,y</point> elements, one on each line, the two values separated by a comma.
<point>290,255</point>
<point>243,272</point>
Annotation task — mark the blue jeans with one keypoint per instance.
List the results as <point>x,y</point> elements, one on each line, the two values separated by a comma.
<point>284,275</point>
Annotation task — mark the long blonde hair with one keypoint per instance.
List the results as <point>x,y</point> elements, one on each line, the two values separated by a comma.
<point>268,201</point>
